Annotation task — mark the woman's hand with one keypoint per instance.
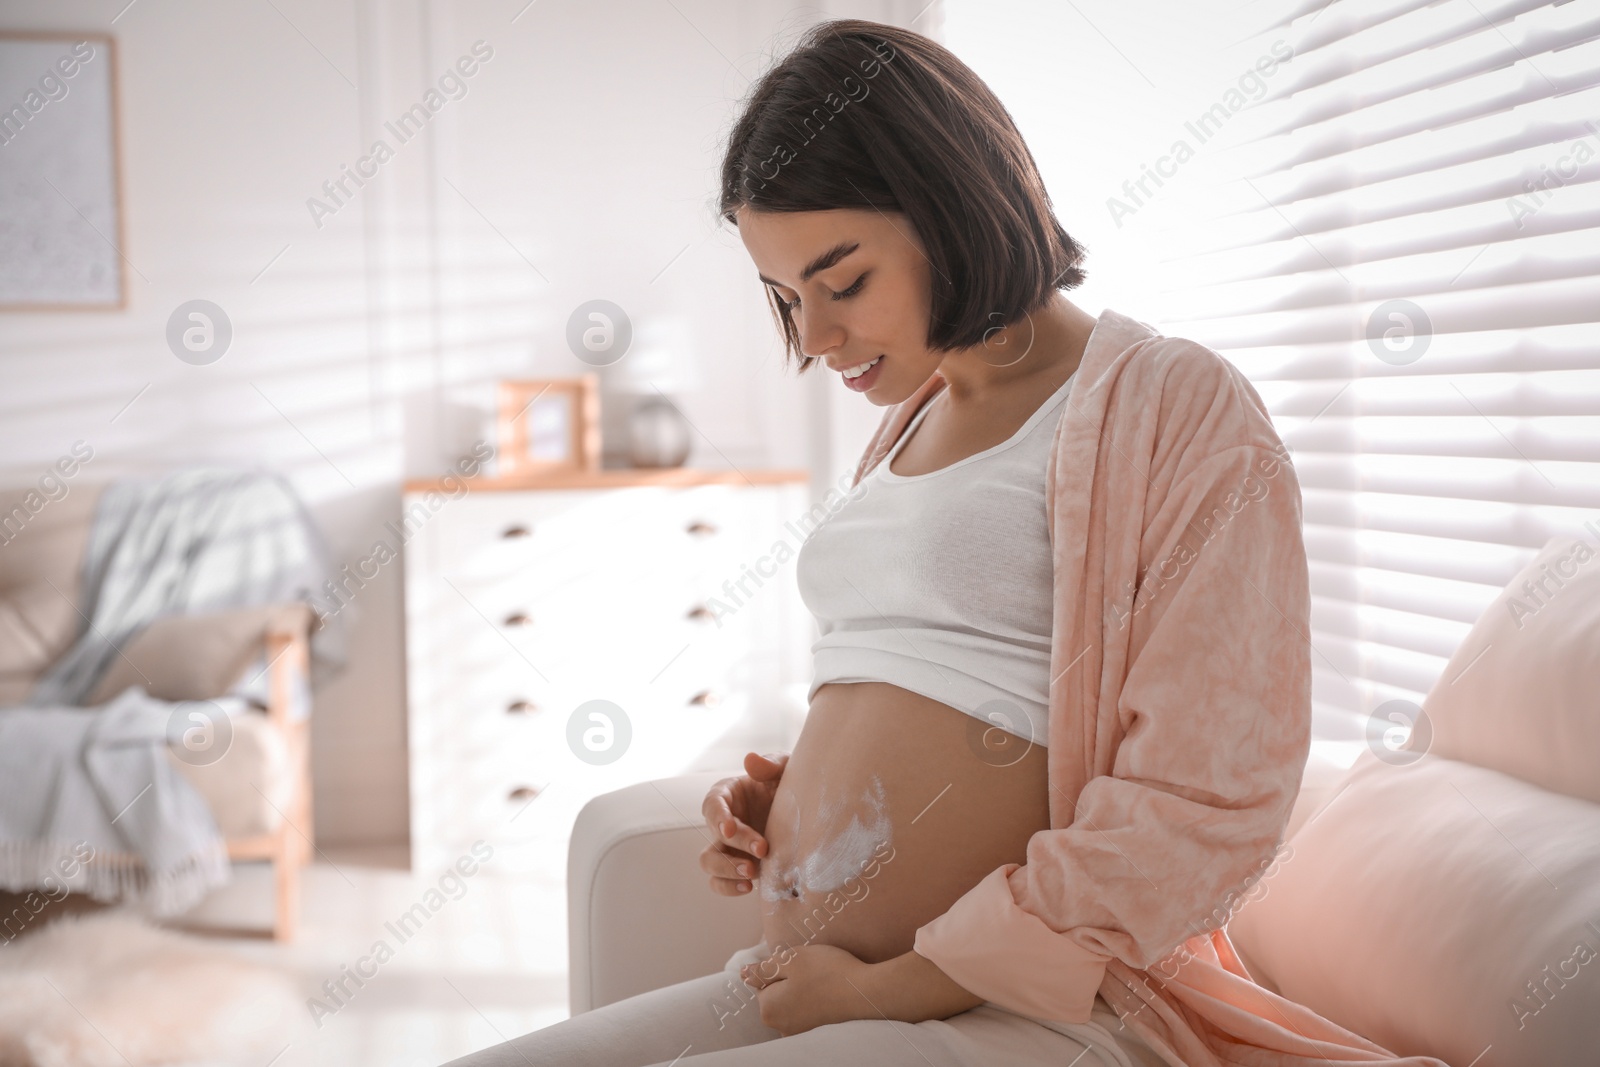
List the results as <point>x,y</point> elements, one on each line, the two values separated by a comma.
<point>815,985</point>
<point>810,986</point>
<point>736,811</point>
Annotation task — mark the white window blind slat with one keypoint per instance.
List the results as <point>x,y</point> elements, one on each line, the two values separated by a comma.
<point>1359,33</point>
<point>1471,204</point>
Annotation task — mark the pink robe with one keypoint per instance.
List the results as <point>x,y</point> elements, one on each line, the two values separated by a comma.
<point>1180,718</point>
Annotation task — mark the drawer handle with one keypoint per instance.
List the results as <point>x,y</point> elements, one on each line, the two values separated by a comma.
<point>706,698</point>
<point>701,612</point>
<point>521,707</point>
<point>517,531</point>
<point>522,792</point>
<point>517,618</point>
<point>701,528</point>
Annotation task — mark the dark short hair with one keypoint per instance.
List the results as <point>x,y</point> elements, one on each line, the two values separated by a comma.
<point>866,115</point>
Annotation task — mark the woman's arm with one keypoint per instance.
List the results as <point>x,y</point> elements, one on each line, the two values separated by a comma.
<point>912,989</point>
<point>816,985</point>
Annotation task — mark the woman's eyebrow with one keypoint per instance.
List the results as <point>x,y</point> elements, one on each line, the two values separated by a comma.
<point>822,262</point>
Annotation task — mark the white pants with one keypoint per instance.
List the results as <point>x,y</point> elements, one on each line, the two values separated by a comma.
<point>715,1021</point>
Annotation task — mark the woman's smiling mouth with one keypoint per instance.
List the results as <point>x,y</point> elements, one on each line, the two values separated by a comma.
<point>862,375</point>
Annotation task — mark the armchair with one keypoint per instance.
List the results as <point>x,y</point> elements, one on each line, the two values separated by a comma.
<point>259,792</point>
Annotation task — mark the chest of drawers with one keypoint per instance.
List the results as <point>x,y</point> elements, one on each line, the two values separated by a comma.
<point>575,635</point>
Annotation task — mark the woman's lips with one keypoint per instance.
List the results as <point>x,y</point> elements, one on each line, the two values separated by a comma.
<point>861,383</point>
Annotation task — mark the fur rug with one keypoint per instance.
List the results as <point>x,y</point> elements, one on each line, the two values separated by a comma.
<point>107,989</point>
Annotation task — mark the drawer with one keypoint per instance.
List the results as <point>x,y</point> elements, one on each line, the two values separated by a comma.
<point>458,653</point>
<point>529,837</point>
<point>557,635</point>
<point>576,631</point>
<point>488,803</point>
<point>737,526</point>
<point>703,654</point>
<point>498,694</point>
<point>524,803</point>
<point>503,727</point>
<point>505,797</point>
<point>490,533</point>
<point>498,709</point>
<point>572,534</point>
<point>495,698</point>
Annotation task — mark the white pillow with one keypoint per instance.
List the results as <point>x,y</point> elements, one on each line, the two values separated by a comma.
<point>195,657</point>
<point>1423,905</point>
<point>1522,692</point>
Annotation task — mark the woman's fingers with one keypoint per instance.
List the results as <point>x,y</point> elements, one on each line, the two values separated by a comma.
<point>718,803</point>
<point>732,867</point>
<point>733,858</point>
<point>718,809</point>
<point>722,862</point>
<point>765,768</point>
<point>739,835</point>
<point>732,873</point>
<point>728,828</point>
<point>724,887</point>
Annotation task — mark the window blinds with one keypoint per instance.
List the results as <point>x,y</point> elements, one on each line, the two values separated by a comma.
<point>1399,245</point>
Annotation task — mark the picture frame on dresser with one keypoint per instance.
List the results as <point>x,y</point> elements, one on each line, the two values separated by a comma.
<point>549,424</point>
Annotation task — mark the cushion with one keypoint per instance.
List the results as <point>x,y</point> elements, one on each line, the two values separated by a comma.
<point>1438,908</point>
<point>1519,695</point>
<point>1321,778</point>
<point>193,657</point>
<point>42,540</point>
<point>252,785</point>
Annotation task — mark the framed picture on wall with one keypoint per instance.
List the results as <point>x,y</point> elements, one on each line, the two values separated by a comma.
<point>61,219</point>
<point>549,424</point>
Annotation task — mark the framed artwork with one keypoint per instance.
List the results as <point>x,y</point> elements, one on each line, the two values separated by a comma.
<point>61,219</point>
<point>549,424</point>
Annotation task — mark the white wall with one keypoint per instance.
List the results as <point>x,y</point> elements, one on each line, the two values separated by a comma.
<point>1101,90</point>
<point>580,163</point>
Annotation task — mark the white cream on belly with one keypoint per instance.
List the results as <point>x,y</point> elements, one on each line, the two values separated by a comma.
<point>842,855</point>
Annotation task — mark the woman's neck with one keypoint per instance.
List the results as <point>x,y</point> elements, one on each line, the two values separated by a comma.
<point>1045,345</point>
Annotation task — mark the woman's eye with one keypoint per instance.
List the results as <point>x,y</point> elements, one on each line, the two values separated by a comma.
<point>855,288</point>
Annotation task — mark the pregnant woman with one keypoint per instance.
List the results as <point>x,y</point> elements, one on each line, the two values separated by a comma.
<point>1061,701</point>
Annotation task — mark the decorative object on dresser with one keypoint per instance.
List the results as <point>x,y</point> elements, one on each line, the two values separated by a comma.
<point>552,619</point>
<point>548,424</point>
<point>643,395</point>
<point>658,434</point>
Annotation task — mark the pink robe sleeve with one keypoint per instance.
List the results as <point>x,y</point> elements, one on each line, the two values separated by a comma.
<point>1214,713</point>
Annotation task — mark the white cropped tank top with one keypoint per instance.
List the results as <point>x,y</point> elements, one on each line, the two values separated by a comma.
<point>941,583</point>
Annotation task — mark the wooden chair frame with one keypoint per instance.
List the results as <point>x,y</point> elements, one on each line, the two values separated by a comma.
<point>289,847</point>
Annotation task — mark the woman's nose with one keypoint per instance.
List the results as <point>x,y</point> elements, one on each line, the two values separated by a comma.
<point>818,335</point>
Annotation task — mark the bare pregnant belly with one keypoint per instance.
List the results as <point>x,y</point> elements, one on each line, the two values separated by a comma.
<point>891,807</point>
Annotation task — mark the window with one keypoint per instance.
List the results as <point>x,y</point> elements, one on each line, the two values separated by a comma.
<point>1394,232</point>
<point>1400,248</point>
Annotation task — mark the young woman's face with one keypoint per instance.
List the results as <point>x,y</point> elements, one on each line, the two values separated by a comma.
<point>857,285</point>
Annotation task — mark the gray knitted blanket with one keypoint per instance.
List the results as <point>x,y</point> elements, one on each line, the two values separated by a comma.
<point>89,802</point>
